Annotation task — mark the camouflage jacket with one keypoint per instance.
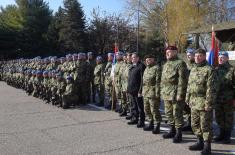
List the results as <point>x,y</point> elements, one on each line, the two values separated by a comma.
<point>117,74</point>
<point>201,89</point>
<point>151,81</point>
<point>107,74</point>
<point>99,74</point>
<point>226,83</point>
<point>124,75</point>
<point>173,80</point>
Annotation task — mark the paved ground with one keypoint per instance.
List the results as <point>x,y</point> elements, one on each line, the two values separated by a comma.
<point>30,127</point>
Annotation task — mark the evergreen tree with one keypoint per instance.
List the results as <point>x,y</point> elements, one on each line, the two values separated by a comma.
<point>72,35</point>
<point>36,19</point>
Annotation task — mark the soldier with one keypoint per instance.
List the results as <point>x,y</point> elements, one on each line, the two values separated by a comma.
<point>81,74</point>
<point>99,80</point>
<point>69,97</point>
<point>61,86</point>
<point>108,81</point>
<point>37,84</point>
<point>151,94</point>
<point>187,112</point>
<point>173,89</point>
<point>201,93</point>
<point>124,80</point>
<point>225,98</point>
<point>91,87</point>
<point>117,80</point>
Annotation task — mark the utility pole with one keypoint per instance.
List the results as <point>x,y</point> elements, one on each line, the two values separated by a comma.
<point>138,27</point>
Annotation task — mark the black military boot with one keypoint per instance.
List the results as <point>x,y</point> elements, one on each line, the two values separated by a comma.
<point>206,149</point>
<point>123,114</point>
<point>140,124</point>
<point>128,117</point>
<point>148,127</point>
<point>133,121</point>
<point>220,137</point>
<point>170,134</point>
<point>227,137</point>
<point>156,129</point>
<point>198,145</point>
<point>178,136</point>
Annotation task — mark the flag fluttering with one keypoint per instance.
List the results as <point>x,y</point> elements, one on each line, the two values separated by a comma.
<point>213,54</point>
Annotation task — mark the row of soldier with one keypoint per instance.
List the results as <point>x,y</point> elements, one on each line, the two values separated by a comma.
<point>137,89</point>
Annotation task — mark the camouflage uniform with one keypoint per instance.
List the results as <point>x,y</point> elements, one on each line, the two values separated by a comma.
<point>173,85</point>
<point>224,101</point>
<point>200,94</point>
<point>124,80</point>
<point>99,82</point>
<point>69,96</point>
<point>117,82</point>
<point>91,86</point>
<point>108,83</point>
<point>151,93</point>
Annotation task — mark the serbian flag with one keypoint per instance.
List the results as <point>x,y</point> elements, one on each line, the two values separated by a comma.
<point>114,59</point>
<point>214,52</point>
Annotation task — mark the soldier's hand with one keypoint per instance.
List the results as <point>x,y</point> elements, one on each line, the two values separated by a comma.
<point>207,108</point>
<point>139,95</point>
<point>179,98</point>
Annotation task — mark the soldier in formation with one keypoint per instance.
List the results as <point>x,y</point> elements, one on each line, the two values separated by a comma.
<point>193,88</point>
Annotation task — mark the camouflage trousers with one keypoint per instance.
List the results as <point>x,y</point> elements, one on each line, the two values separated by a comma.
<point>99,89</point>
<point>124,100</point>
<point>224,115</point>
<point>187,112</point>
<point>174,113</point>
<point>201,122</point>
<point>108,95</point>
<point>151,109</point>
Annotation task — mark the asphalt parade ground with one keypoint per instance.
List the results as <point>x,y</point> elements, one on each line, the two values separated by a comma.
<point>28,126</point>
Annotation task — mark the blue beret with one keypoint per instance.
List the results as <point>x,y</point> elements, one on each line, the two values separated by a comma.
<point>190,51</point>
<point>224,53</point>
<point>110,54</point>
<point>99,58</point>
<point>90,53</point>
<point>69,77</point>
<point>119,53</point>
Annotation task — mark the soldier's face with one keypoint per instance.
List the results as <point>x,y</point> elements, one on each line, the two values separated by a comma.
<point>171,54</point>
<point>199,58</point>
<point>190,57</point>
<point>110,58</point>
<point>149,61</point>
<point>223,59</point>
<point>135,58</point>
<point>128,58</point>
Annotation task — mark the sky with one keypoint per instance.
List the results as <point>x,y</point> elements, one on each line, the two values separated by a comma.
<point>110,6</point>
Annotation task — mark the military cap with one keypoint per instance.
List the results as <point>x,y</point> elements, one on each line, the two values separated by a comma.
<point>39,72</point>
<point>45,73</point>
<point>223,53</point>
<point>173,48</point>
<point>200,50</point>
<point>69,77</point>
<point>190,51</point>
<point>119,53</point>
<point>110,54</point>
<point>99,58</point>
<point>90,53</point>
